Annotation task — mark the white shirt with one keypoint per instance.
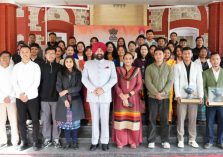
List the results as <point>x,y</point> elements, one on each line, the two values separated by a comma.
<point>121,64</point>
<point>6,88</point>
<point>150,43</point>
<point>77,62</point>
<point>80,57</point>
<point>216,74</point>
<point>26,79</point>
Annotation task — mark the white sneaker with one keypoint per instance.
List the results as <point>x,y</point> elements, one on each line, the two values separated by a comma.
<point>29,122</point>
<point>166,145</point>
<point>151,145</point>
<point>193,144</point>
<point>180,144</point>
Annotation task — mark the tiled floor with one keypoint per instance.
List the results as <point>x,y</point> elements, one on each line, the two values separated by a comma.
<point>141,151</point>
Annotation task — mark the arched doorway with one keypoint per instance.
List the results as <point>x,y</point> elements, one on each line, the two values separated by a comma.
<point>188,33</point>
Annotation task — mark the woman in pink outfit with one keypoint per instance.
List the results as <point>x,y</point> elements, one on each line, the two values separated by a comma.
<point>127,125</point>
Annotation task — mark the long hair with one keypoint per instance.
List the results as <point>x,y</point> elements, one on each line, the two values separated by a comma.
<point>114,52</point>
<point>65,70</point>
<point>148,54</point>
<point>181,49</point>
<point>85,50</point>
<point>121,38</point>
<point>81,42</point>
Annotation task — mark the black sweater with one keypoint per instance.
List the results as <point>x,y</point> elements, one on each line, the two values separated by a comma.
<point>48,90</point>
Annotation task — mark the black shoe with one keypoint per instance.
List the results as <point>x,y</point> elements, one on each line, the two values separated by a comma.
<point>208,145</point>
<point>74,145</point>
<point>24,145</point>
<point>36,146</point>
<point>47,143</point>
<point>220,145</point>
<point>66,145</point>
<point>105,147</point>
<point>3,145</point>
<point>56,144</point>
<point>94,147</point>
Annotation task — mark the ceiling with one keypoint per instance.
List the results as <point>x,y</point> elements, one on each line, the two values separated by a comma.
<point>181,2</point>
<point>84,2</point>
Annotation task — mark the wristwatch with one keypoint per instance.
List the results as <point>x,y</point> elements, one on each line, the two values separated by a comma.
<point>130,94</point>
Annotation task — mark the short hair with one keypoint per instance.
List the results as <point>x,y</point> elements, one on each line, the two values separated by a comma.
<point>182,39</point>
<point>72,37</point>
<point>131,42</point>
<point>158,49</point>
<point>5,52</point>
<point>161,38</point>
<point>34,45</point>
<point>203,48</point>
<point>179,47</point>
<point>171,43</point>
<point>214,53</point>
<point>25,46</point>
<point>199,37</point>
<point>141,36</point>
<point>21,42</point>
<point>94,38</point>
<point>173,33</point>
<point>32,34</point>
<point>50,48</point>
<point>153,46</point>
<point>52,33</point>
<point>187,48</point>
<point>149,30</point>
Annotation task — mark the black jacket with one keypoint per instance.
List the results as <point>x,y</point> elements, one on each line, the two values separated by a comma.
<point>16,58</point>
<point>38,61</point>
<point>49,44</point>
<point>196,52</point>
<point>47,89</point>
<point>74,86</point>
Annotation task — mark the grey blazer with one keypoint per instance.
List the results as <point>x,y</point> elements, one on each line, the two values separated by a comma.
<point>74,87</point>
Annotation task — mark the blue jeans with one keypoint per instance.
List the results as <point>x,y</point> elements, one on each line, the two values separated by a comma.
<point>71,135</point>
<point>211,113</point>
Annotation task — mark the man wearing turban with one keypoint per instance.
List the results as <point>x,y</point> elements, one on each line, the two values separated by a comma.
<point>99,76</point>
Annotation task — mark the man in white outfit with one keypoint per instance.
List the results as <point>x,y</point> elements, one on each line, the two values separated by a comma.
<point>99,76</point>
<point>7,101</point>
<point>187,74</point>
<point>26,79</point>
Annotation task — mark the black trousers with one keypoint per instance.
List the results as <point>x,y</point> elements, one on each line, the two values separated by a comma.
<point>154,107</point>
<point>32,107</point>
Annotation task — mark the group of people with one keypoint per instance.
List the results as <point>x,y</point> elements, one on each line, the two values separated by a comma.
<point>144,81</point>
